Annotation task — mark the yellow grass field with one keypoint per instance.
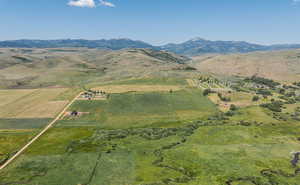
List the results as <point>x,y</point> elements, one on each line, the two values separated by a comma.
<point>32,103</point>
<point>9,96</point>
<point>136,88</point>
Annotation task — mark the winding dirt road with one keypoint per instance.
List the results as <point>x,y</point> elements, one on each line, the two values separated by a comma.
<point>39,135</point>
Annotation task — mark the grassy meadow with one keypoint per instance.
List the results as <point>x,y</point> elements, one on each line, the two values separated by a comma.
<point>195,153</point>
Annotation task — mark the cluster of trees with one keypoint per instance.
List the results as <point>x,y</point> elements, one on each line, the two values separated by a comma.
<point>296,114</point>
<point>212,80</point>
<point>263,81</point>
<point>232,110</point>
<point>296,84</point>
<point>189,68</point>
<point>280,116</point>
<point>208,79</point>
<point>275,106</point>
<point>264,92</point>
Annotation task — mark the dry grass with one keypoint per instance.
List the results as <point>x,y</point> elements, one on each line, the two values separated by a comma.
<point>84,66</point>
<point>9,96</point>
<point>137,88</point>
<point>36,103</point>
<point>278,65</point>
<point>240,99</point>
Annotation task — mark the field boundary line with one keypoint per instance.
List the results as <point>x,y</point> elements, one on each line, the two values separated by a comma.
<point>40,134</point>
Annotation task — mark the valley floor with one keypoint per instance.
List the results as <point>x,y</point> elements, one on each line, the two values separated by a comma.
<point>149,135</point>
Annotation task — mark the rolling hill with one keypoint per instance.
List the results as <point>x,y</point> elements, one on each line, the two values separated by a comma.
<point>277,65</point>
<point>21,68</point>
<point>27,68</point>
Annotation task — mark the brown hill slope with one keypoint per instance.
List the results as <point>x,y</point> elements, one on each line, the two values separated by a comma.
<point>279,65</point>
<point>48,67</point>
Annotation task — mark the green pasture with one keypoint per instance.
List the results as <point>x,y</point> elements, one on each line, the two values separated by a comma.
<point>141,109</point>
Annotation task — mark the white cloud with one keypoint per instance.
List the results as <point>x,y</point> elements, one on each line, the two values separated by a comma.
<point>82,3</point>
<point>89,3</point>
<point>106,3</point>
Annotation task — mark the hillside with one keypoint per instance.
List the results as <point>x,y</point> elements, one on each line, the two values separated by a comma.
<point>66,67</point>
<point>277,65</point>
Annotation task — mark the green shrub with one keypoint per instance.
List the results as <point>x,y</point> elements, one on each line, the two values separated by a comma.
<point>230,113</point>
<point>255,98</point>
<point>275,106</point>
<point>226,99</point>
<point>233,107</point>
<point>264,92</point>
<point>207,92</point>
<point>281,91</point>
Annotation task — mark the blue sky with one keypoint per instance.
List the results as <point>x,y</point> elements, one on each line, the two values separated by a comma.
<point>153,21</point>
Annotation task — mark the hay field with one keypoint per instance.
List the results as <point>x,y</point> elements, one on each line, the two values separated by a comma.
<point>33,103</point>
<point>137,88</point>
<point>9,96</point>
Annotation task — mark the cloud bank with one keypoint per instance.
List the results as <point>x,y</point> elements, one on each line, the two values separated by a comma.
<point>89,3</point>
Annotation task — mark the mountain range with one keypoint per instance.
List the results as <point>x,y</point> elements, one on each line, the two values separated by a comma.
<point>193,47</point>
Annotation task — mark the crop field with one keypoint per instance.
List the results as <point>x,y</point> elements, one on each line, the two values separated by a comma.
<point>31,103</point>
<point>140,109</point>
<point>137,88</point>
<point>23,113</point>
<point>146,81</point>
<point>11,140</point>
<point>9,96</point>
<point>24,123</point>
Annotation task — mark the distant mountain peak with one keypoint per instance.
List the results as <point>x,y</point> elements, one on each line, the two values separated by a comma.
<point>197,39</point>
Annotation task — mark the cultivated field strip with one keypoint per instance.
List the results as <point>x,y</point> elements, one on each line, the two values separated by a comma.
<point>36,103</point>
<point>137,88</point>
<point>10,96</point>
<point>39,135</point>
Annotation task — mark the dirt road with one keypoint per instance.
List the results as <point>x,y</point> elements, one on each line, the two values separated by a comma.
<point>39,135</point>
